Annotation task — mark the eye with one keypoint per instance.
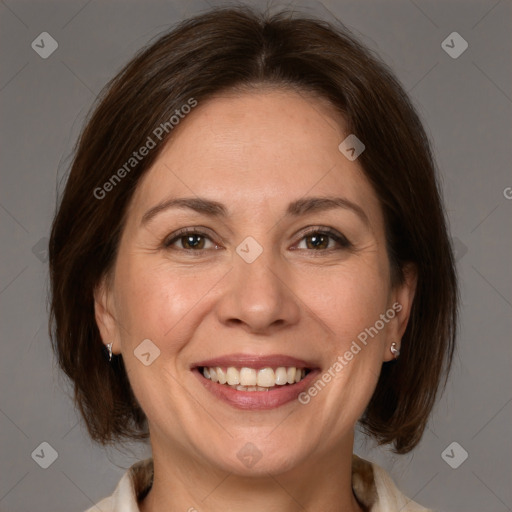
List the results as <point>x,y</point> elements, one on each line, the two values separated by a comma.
<point>324,239</point>
<point>189,239</point>
<point>318,239</point>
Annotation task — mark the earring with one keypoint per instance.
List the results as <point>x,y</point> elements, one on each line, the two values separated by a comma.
<point>109,348</point>
<point>394,350</point>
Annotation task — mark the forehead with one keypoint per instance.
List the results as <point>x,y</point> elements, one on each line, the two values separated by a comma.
<point>257,148</point>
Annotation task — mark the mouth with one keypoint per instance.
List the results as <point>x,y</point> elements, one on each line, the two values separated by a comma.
<point>251,379</point>
<point>248,382</point>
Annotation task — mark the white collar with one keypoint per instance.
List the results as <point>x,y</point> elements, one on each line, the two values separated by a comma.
<point>372,486</point>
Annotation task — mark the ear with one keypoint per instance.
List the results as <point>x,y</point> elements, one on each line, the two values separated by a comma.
<point>402,298</point>
<point>105,315</point>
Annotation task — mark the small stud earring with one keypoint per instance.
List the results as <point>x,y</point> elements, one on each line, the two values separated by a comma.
<point>394,350</point>
<point>109,348</point>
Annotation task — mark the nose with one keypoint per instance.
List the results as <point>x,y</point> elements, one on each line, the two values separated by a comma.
<point>259,296</point>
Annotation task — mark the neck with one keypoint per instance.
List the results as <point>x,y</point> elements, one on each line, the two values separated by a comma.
<point>182,483</point>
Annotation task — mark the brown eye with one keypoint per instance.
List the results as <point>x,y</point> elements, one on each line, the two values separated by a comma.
<point>192,241</point>
<point>317,241</point>
<point>189,240</point>
<point>324,240</point>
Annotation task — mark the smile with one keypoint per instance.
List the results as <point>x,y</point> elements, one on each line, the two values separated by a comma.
<point>250,379</point>
<point>255,382</point>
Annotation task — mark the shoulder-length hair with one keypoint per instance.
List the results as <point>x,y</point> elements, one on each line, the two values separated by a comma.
<point>238,49</point>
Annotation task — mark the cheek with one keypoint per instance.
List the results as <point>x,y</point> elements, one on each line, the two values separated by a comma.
<point>164,305</point>
<point>350,299</point>
<point>161,303</point>
<point>349,308</point>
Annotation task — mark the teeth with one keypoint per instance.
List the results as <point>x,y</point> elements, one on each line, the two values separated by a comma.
<point>266,378</point>
<point>233,376</point>
<point>221,375</point>
<point>281,376</point>
<point>249,388</point>
<point>247,376</point>
<point>249,379</point>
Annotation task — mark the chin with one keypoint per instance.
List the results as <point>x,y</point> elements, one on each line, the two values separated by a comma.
<point>257,455</point>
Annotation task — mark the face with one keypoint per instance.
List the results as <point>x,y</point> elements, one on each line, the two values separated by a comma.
<point>275,268</point>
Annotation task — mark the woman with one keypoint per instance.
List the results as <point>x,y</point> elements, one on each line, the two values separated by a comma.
<point>249,258</point>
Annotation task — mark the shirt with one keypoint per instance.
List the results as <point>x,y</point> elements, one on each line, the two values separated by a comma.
<point>372,486</point>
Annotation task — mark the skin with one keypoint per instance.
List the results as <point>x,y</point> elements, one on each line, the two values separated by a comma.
<point>255,152</point>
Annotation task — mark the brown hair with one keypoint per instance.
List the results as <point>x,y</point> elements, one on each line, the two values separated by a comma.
<point>238,48</point>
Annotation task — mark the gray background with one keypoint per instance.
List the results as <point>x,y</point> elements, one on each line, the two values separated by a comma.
<point>466,104</point>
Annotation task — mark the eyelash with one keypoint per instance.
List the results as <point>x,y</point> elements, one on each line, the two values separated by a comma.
<point>340,239</point>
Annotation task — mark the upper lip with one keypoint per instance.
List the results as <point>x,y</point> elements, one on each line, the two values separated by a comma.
<point>255,361</point>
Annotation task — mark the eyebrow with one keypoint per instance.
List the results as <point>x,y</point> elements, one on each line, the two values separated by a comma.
<point>198,204</point>
<point>296,208</point>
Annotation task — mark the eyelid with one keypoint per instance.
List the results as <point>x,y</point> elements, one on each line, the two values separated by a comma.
<point>205,232</point>
<point>194,230</point>
<point>340,238</point>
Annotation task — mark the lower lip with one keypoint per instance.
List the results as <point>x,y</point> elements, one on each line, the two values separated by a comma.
<point>257,400</point>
